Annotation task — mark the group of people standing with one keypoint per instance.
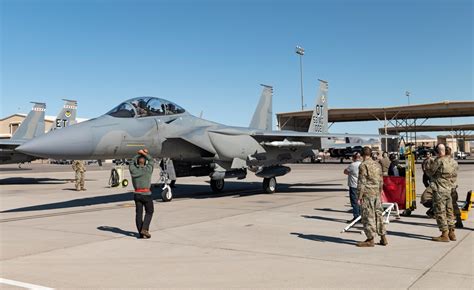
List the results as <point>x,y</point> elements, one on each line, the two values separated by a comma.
<point>365,181</point>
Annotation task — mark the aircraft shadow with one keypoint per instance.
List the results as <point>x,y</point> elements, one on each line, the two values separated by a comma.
<point>5,169</point>
<point>118,231</point>
<point>315,184</point>
<point>203,191</point>
<point>29,180</point>
<point>321,238</point>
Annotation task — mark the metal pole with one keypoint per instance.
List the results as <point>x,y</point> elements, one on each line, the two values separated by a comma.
<point>300,52</point>
<point>301,74</point>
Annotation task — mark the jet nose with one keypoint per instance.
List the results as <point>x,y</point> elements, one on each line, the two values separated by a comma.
<point>73,142</point>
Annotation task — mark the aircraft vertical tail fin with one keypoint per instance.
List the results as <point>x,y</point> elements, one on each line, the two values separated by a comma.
<point>33,125</point>
<point>262,117</point>
<point>67,115</point>
<point>319,120</point>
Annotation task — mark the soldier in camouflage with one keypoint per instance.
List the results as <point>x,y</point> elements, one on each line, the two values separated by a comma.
<point>454,192</point>
<point>79,169</point>
<point>442,172</point>
<point>369,187</point>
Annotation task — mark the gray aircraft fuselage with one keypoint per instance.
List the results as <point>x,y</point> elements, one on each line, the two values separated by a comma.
<point>181,137</point>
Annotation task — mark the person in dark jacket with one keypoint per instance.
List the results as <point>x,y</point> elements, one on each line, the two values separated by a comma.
<point>393,168</point>
<point>141,169</point>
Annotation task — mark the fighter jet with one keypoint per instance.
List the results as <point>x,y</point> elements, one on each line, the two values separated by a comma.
<point>198,147</point>
<point>32,127</point>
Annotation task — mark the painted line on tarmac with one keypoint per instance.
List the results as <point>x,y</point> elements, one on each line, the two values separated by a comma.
<point>23,284</point>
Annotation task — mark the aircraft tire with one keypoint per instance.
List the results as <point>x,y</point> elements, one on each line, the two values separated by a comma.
<point>217,185</point>
<point>166,194</point>
<point>269,185</point>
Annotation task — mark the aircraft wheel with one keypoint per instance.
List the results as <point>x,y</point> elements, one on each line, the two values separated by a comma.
<point>217,185</point>
<point>166,194</point>
<point>125,182</point>
<point>269,184</point>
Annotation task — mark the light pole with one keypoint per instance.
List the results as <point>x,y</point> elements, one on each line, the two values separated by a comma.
<point>300,52</point>
<point>407,93</point>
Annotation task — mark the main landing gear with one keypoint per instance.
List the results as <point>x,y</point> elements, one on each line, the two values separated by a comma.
<point>269,184</point>
<point>217,185</point>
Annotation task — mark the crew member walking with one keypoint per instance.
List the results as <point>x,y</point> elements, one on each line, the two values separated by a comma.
<point>352,172</point>
<point>442,172</point>
<point>425,166</point>
<point>369,188</point>
<point>141,169</point>
<point>79,169</point>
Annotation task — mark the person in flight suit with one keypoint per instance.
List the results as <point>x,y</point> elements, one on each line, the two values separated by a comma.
<point>141,170</point>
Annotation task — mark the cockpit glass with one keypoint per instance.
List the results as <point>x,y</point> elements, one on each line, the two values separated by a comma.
<point>145,107</point>
<point>124,110</point>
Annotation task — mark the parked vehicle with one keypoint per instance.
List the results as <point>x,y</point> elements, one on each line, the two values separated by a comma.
<point>461,155</point>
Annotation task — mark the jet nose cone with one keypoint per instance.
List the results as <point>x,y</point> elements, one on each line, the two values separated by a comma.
<point>73,142</point>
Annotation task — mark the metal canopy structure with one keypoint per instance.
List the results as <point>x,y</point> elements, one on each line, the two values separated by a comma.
<point>407,119</point>
<point>299,120</point>
<point>457,129</point>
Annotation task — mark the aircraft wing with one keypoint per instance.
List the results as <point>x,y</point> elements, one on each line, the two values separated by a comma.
<point>260,134</point>
<point>10,144</point>
<point>291,139</point>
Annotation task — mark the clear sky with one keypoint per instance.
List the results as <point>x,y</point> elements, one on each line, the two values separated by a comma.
<point>211,56</point>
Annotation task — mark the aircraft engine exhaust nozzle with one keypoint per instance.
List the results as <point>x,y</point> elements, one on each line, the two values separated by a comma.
<point>273,171</point>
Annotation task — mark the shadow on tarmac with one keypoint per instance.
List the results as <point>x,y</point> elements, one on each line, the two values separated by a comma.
<point>29,180</point>
<point>118,231</point>
<point>334,210</point>
<point>237,189</point>
<point>7,169</point>
<point>408,235</point>
<point>321,238</point>
<point>323,218</point>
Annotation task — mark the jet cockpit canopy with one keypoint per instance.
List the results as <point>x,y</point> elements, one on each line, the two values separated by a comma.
<point>145,107</point>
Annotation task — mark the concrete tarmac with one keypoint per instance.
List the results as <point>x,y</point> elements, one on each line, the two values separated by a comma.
<point>53,236</point>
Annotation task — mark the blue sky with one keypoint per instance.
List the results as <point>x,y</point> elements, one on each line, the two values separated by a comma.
<point>211,56</point>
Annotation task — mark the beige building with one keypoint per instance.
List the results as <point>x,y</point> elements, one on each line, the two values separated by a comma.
<point>9,124</point>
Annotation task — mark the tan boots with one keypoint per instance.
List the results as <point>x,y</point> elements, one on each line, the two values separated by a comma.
<point>452,235</point>
<point>371,243</point>
<point>383,240</point>
<point>367,243</point>
<point>443,238</point>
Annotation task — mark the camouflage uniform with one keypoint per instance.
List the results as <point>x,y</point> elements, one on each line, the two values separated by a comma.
<point>369,187</point>
<point>442,172</point>
<point>79,168</point>
<point>385,163</point>
<point>454,185</point>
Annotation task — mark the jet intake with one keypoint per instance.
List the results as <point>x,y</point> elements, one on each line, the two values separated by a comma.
<point>273,171</point>
<point>236,173</point>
